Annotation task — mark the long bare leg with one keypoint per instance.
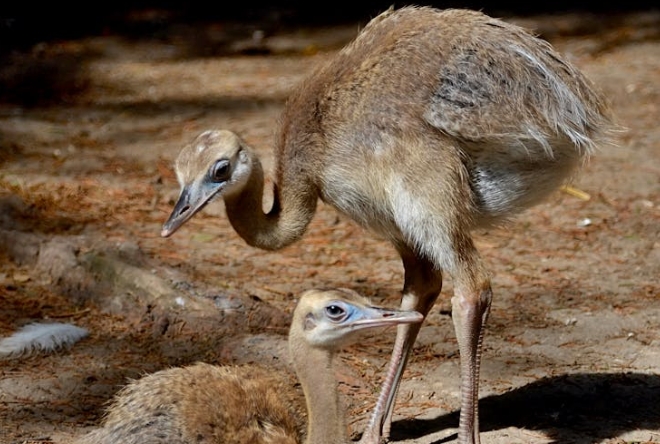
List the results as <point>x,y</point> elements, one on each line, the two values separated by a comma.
<point>422,287</point>
<point>470,308</point>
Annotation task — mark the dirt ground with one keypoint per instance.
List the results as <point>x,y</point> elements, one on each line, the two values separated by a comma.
<point>572,348</point>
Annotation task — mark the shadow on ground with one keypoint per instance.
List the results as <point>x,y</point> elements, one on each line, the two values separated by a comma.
<point>565,408</point>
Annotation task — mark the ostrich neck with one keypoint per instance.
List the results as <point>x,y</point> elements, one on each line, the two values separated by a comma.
<point>325,415</point>
<point>294,204</point>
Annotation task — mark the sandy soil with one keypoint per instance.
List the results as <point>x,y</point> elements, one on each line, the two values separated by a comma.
<point>572,348</point>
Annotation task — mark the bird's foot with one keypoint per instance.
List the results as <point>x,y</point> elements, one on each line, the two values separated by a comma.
<point>373,437</point>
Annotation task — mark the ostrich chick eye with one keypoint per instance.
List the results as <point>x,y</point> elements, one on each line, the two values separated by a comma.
<point>220,171</point>
<point>335,312</point>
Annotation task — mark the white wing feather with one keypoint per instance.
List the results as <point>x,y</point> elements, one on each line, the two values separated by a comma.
<point>46,338</point>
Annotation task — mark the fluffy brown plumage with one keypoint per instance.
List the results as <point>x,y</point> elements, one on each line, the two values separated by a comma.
<point>204,403</point>
<point>429,125</point>
<point>208,404</point>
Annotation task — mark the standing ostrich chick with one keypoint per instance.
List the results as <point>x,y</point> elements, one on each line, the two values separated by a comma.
<point>430,124</point>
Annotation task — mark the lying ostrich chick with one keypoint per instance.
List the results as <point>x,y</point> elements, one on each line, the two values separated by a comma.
<point>203,403</point>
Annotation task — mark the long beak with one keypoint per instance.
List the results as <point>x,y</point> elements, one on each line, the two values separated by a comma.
<point>189,203</point>
<point>377,317</point>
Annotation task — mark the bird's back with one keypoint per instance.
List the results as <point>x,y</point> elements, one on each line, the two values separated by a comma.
<point>437,93</point>
<point>205,404</point>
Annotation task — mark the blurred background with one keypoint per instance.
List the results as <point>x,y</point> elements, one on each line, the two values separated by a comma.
<point>24,23</point>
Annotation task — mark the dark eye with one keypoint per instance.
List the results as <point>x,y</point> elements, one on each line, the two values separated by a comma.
<point>335,312</point>
<point>220,171</point>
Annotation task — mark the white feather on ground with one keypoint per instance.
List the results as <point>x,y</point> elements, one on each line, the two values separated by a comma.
<point>44,338</point>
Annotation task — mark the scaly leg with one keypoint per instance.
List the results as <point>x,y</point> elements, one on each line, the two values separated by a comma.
<point>470,309</point>
<point>421,289</point>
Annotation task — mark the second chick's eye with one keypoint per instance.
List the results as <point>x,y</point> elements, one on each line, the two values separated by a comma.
<point>220,171</point>
<point>335,312</point>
